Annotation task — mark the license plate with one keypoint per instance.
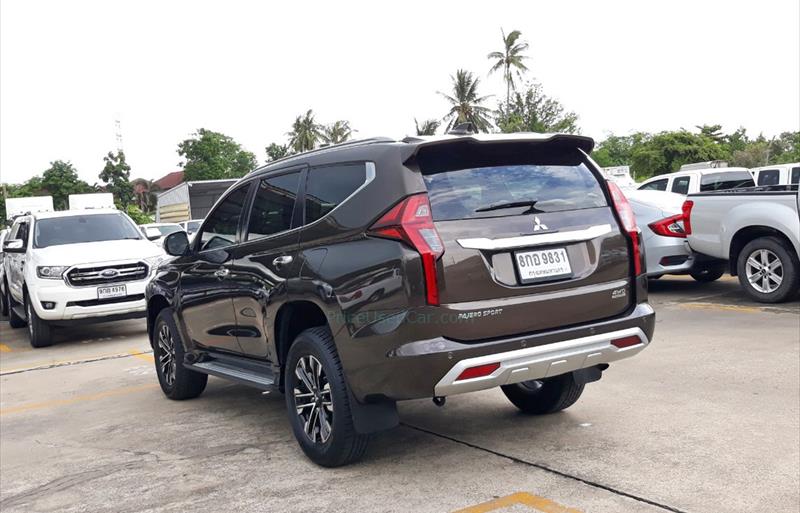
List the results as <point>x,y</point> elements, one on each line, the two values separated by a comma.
<point>545,264</point>
<point>111,292</point>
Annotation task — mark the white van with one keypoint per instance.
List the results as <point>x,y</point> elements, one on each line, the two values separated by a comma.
<point>700,180</point>
<point>778,174</point>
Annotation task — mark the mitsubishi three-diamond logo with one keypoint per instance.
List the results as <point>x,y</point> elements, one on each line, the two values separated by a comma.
<point>538,225</point>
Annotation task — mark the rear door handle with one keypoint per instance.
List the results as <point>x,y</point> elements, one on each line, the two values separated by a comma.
<point>282,260</point>
<point>222,272</point>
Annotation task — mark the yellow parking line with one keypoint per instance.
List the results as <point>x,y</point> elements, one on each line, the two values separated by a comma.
<point>715,306</point>
<point>77,399</point>
<point>5,349</point>
<point>148,357</point>
<point>521,498</point>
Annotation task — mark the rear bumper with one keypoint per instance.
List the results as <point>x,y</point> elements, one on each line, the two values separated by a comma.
<point>541,362</point>
<point>426,368</point>
<point>668,255</point>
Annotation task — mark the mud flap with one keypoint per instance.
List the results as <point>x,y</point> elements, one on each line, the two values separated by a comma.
<point>373,417</point>
<point>588,375</point>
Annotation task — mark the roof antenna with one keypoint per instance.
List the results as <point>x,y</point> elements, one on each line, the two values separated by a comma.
<point>466,128</point>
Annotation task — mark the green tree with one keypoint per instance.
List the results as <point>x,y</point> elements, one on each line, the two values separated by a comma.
<point>510,60</point>
<point>277,151</point>
<point>534,111</point>
<point>117,174</point>
<point>713,132</point>
<point>428,127</point>
<point>466,105</point>
<point>145,194</point>
<point>617,150</point>
<point>135,213</point>
<point>306,133</point>
<point>60,180</point>
<point>337,132</point>
<point>211,156</point>
<point>665,152</point>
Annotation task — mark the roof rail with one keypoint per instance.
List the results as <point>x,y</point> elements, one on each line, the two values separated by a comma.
<point>329,147</point>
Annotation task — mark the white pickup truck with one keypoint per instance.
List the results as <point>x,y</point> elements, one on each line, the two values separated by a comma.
<point>757,230</point>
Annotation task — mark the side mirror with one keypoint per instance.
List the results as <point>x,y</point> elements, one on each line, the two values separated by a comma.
<point>14,246</point>
<point>176,244</point>
<point>152,233</point>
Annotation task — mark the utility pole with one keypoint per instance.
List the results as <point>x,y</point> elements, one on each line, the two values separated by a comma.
<point>118,132</point>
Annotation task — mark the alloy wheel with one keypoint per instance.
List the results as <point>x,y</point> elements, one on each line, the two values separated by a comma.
<point>166,358</point>
<point>764,271</point>
<point>312,398</point>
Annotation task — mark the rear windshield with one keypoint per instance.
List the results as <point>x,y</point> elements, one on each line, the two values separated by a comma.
<point>721,181</point>
<point>87,228</point>
<point>494,190</point>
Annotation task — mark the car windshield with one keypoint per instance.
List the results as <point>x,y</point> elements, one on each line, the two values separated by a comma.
<point>57,231</point>
<point>167,229</point>
<point>192,226</point>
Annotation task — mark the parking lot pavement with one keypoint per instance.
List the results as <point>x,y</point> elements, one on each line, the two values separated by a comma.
<point>706,419</point>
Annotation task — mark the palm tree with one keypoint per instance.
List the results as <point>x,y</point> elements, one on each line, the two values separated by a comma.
<point>338,132</point>
<point>428,127</point>
<point>466,104</point>
<point>305,134</point>
<point>510,61</point>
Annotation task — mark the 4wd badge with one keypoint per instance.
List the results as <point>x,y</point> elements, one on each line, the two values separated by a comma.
<point>618,293</point>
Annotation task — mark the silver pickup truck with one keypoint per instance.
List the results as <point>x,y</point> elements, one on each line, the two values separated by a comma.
<point>757,230</point>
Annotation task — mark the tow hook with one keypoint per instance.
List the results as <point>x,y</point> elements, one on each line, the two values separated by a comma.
<point>439,400</point>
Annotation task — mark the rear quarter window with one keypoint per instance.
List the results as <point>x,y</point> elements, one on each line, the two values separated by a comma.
<point>328,186</point>
<point>769,177</point>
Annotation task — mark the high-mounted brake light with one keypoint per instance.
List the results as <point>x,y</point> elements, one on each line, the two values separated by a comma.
<point>669,227</point>
<point>411,221</point>
<point>687,216</point>
<point>628,223</point>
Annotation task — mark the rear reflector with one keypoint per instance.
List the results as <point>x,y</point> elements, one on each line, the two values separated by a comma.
<point>626,341</point>
<point>478,372</point>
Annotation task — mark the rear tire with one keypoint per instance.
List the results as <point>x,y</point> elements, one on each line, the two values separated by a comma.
<point>540,397</point>
<point>39,331</point>
<point>318,402</point>
<point>3,299</point>
<point>708,273</point>
<point>781,265</point>
<point>14,320</point>
<point>177,382</point>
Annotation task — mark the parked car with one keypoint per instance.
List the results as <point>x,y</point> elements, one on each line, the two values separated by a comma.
<point>156,232</point>
<point>191,226</point>
<point>778,174</point>
<point>520,267</point>
<point>757,230</point>
<point>3,304</point>
<point>75,266</point>
<point>690,180</point>
<point>660,216</point>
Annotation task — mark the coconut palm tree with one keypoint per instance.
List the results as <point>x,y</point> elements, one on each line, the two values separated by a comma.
<point>337,132</point>
<point>510,61</point>
<point>305,133</point>
<point>466,104</point>
<point>428,127</point>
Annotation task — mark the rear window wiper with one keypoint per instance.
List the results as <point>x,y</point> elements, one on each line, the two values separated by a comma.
<point>513,204</point>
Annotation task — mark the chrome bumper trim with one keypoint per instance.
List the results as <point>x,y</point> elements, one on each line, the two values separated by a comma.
<point>541,361</point>
<point>536,240</point>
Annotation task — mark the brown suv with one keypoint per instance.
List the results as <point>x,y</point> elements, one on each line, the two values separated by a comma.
<point>370,272</point>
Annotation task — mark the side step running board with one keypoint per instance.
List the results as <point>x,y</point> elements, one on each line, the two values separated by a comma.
<point>262,379</point>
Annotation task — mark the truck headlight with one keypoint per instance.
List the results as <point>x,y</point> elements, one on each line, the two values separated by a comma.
<point>50,272</point>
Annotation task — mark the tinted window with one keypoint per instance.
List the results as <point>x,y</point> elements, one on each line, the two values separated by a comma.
<point>220,228</point>
<point>769,177</point>
<point>328,186</point>
<point>721,181</point>
<point>273,205</point>
<point>192,226</point>
<point>795,178</point>
<point>657,185</point>
<point>477,192</point>
<point>57,231</point>
<point>680,185</point>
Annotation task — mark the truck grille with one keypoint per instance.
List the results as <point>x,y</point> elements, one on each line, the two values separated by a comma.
<point>100,275</point>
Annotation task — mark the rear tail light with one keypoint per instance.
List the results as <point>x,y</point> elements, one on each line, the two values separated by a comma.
<point>628,223</point>
<point>478,372</point>
<point>669,227</point>
<point>411,221</point>
<point>687,216</point>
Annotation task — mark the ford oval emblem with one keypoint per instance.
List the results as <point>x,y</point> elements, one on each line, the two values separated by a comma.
<point>109,273</point>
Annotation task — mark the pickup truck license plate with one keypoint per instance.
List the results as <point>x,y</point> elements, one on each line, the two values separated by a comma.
<point>545,264</point>
<point>111,292</point>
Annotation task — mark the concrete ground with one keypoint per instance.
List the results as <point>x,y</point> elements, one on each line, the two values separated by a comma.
<point>706,419</point>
